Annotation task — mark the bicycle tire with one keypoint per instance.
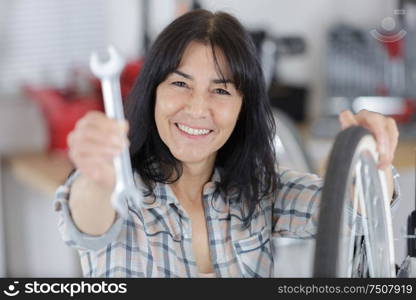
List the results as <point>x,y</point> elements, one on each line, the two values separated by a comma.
<point>343,157</point>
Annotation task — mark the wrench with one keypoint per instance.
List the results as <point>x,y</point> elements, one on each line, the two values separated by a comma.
<point>109,74</point>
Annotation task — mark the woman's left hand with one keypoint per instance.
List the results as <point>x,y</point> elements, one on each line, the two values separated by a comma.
<point>383,128</point>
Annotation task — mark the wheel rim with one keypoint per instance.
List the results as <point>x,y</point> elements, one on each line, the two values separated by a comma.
<point>348,245</point>
<point>367,252</point>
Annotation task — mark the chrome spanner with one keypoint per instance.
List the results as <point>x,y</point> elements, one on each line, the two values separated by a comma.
<point>109,73</point>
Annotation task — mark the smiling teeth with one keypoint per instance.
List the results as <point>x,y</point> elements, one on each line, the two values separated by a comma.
<point>193,131</point>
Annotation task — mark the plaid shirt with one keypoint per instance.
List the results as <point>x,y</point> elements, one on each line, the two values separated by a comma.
<point>155,240</point>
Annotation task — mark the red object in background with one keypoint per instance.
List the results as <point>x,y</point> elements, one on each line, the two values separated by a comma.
<point>127,79</point>
<point>129,75</point>
<point>61,114</point>
<point>394,47</point>
<point>407,113</point>
<point>62,109</point>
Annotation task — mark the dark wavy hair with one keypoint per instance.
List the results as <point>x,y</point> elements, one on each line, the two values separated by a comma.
<point>248,159</point>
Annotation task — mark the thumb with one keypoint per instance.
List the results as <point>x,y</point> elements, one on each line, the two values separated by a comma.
<point>347,119</point>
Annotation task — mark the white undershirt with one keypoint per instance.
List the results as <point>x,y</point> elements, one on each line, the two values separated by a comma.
<point>207,275</point>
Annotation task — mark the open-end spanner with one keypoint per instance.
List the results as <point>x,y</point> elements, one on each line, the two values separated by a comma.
<point>109,73</point>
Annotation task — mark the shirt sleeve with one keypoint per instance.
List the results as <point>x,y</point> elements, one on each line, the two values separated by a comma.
<point>296,208</point>
<point>71,235</point>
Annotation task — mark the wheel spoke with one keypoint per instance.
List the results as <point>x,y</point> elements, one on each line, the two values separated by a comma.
<point>354,220</point>
<point>352,237</point>
<point>365,223</point>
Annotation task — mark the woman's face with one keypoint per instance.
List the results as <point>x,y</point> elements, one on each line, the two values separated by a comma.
<point>195,110</point>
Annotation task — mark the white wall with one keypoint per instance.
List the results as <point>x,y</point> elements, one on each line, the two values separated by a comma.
<point>41,42</point>
<point>309,18</point>
<point>33,244</point>
<point>124,28</point>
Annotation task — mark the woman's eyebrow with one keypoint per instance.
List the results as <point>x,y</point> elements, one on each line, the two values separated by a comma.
<point>190,77</point>
<point>222,81</point>
<point>187,76</point>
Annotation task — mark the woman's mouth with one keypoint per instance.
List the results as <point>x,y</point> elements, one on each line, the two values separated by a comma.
<point>192,133</point>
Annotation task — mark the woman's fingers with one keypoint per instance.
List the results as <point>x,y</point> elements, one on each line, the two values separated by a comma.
<point>347,119</point>
<point>93,144</point>
<point>376,124</point>
<point>102,129</point>
<point>383,128</point>
<point>99,170</point>
<point>393,131</point>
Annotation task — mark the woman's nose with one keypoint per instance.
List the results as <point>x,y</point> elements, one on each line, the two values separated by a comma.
<point>197,105</point>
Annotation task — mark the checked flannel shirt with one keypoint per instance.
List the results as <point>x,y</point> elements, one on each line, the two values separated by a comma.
<point>155,240</point>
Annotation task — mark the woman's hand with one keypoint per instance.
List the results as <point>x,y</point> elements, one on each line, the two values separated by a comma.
<point>386,134</point>
<point>383,128</point>
<point>93,144</point>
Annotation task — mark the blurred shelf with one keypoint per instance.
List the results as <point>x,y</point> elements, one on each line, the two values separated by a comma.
<point>43,171</point>
<point>405,156</point>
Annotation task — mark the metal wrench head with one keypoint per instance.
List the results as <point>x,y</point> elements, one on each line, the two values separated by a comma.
<point>109,68</point>
<point>120,196</point>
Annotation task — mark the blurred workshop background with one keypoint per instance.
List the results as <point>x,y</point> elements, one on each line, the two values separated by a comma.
<point>319,57</point>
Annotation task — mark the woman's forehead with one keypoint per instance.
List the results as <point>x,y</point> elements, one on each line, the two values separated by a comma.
<point>214,56</point>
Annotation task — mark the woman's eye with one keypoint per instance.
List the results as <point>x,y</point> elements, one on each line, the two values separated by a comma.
<point>179,83</point>
<point>222,92</point>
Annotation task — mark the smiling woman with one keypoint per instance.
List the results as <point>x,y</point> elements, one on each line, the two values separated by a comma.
<point>202,73</point>
<point>196,114</point>
<point>202,148</point>
<point>201,119</point>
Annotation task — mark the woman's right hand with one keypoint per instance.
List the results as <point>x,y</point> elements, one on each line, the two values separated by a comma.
<point>94,142</point>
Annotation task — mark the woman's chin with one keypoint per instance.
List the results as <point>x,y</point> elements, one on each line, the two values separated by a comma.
<point>190,157</point>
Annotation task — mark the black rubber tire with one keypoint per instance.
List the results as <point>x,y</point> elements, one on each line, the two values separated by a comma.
<point>332,201</point>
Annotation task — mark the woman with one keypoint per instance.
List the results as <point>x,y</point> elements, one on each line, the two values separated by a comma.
<point>201,134</point>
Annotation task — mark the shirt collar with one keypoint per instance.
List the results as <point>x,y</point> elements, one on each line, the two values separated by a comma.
<point>164,194</point>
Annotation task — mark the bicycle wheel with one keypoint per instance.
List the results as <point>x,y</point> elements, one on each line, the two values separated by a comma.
<point>354,237</point>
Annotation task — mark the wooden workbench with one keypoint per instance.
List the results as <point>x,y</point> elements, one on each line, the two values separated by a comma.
<point>43,171</point>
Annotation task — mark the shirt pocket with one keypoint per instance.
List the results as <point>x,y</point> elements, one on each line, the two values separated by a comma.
<point>254,254</point>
